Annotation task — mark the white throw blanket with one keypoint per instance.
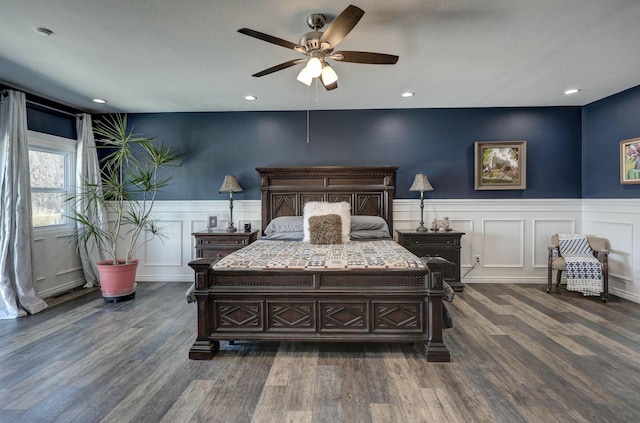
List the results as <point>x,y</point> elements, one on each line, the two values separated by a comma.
<point>584,272</point>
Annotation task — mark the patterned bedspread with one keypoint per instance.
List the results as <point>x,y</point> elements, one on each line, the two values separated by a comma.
<point>375,254</point>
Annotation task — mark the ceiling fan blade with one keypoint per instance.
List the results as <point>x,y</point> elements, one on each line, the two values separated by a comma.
<point>279,67</point>
<point>342,25</point>
<point>365,57</point>
<point>268,38</point>
<point>329,87</point>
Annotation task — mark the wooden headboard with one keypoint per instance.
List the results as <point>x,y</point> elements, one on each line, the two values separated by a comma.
<point>369,189</point>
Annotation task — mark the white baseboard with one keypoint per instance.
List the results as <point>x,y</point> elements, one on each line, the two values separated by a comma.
<point>60,289</point>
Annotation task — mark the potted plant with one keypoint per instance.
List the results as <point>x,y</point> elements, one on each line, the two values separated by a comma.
<point>130,174</point>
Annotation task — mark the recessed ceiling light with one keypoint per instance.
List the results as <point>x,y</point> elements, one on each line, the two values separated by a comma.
<point>572,91</point>
<point>99,100</point>
<point>408,94</point>
<point>44,31</point>
<point>250,97</point>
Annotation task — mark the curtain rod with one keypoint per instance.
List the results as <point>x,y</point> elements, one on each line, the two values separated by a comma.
<point>44,106</point>
<point>5,87</point>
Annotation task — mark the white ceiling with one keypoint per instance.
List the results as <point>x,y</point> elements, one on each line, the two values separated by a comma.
<point>186,55</point>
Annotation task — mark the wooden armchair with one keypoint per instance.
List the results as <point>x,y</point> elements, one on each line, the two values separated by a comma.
<point>556,262</point>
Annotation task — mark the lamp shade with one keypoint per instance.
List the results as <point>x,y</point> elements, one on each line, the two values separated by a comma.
<point>421,183</point>
<point>305,77</point>
<point>314,67</point>
<point>329,76</point>
<point>230,184</point>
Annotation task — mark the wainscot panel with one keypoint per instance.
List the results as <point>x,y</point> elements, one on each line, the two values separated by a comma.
<point>529,223</point>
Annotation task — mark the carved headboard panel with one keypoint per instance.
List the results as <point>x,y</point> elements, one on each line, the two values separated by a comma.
<point>369,189</point>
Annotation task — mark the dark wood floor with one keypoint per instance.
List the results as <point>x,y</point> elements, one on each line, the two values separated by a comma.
<point>518,355</point>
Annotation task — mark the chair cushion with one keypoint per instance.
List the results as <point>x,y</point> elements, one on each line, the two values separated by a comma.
<point>558,264</point>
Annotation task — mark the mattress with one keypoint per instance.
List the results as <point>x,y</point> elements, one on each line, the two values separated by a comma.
<point>371,254</point>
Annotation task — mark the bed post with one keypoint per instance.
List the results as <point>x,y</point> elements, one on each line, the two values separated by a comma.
<point>203,348</point>
<point>434,349</point>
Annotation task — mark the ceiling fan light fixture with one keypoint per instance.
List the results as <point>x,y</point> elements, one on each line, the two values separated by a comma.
<point>305,77</point>
<point>314,67</point>
<point>317,47</point>
<point>329,76</point>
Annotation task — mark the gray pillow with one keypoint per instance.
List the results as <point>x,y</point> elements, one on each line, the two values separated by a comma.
<point>370,234</point>
<point>284,236</point>
<point>368,223</point>
<point>285,224</point>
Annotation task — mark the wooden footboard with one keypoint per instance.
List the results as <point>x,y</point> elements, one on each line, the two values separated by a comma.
<point>335,306</point>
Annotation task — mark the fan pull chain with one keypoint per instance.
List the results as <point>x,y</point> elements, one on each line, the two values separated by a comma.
<point>307,125</point>
<point>307,115</point>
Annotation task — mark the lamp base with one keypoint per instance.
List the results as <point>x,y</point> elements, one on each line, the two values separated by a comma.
<point>421,228</point>
<point>231,229</point>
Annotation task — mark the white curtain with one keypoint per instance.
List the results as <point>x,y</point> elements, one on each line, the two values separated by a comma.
<point>88,172</point>
<point>17,294</point>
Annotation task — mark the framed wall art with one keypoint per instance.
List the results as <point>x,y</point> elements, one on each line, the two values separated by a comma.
<point>500,165</point>
<point>630,161</point>
<point>213,222</point>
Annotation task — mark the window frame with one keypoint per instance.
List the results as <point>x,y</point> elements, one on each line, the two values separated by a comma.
<point>39,141</point>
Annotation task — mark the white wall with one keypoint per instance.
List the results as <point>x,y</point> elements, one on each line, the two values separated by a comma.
<point>510,236</point>
<point>57,267</point>
<point>617,220</point>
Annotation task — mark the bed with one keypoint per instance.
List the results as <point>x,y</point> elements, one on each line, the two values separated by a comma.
<point>322,303</point>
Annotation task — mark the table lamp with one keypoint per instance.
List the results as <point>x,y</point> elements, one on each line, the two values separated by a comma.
<point>421,183</point>
<point>230,185</point>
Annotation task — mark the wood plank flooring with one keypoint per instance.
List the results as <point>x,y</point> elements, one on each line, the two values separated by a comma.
<point>518,355</point>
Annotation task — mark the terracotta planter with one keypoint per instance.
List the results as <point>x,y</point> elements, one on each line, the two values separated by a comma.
<point>117,283</point>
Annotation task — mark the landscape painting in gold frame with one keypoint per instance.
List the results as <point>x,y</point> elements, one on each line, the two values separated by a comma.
<point>630,161</point>
<point>500,165</point>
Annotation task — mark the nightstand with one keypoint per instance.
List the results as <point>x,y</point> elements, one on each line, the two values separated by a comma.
<point>216,244</point>
<point>436,244</point>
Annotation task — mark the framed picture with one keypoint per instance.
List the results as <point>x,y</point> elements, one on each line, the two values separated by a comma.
<point>212,221</point>
<point>500,165</point>
<point>630,161</point>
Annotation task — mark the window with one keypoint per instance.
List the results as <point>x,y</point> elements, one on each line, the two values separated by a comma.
<point>52,170</point>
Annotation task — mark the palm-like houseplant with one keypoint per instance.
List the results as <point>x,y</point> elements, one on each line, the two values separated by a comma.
<point>131,176</point>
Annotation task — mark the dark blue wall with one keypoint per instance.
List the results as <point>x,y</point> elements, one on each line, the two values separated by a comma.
<point>438,142</point>
<point>572,152</point>
<point>47,121</point>
<point>605,124</point>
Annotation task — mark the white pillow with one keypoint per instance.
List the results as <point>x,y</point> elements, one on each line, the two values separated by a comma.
<point>320,208</point>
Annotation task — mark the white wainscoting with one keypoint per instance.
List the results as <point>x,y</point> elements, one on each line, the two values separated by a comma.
<point>617,220</point>
<point>56,263</point>
<point>166,258</point>
<point>509,236</point>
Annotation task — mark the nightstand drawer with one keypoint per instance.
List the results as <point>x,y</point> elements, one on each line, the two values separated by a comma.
<point>214,252</point>
<point>223,242</point>
<point>432,240</point>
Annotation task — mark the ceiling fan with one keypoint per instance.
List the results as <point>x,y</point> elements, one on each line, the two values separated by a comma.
<point>318,46</point>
